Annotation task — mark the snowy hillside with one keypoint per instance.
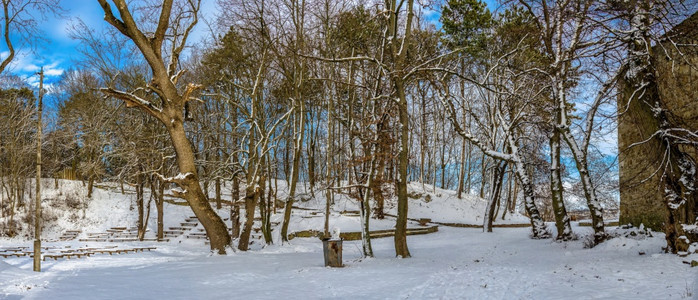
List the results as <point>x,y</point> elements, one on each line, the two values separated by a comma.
<point>67,208</point>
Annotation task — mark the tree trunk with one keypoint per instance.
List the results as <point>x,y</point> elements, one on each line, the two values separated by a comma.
<point>264,213</point>
<point>298,151</point>
<point>443,154</point>
<point>497,179</point>
<point>483,175</point>
<point>515,196</point>
<point>139,202</point>
<point>507,204</point>
<point>235,190</point>
<point>562,220</point>
<point>212,223</point>
<point>235,220</point>
<point>218,194</point>
<point>90,186</point>
<point>422,139</point>
<point>595,208</point>
<point>400,238</point>
<point>251,196</point>
<point>469,178</point>
<point>141,236</point>
<point>538,228</point>
<point>461,174</point>
<point>159,204</point>
<point>381,153</point>
<point>311,162</point>
<point>377,187</point>
<point>365,210</point>
<point>329,197</point>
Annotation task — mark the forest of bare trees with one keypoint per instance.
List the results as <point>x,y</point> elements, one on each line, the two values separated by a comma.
<point>515,104</point>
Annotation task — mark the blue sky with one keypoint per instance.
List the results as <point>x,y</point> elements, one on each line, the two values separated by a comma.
<point>59,53</point>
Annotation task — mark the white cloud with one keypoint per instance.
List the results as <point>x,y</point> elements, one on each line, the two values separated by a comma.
<point>22,62</point>
<point>53,72</point>
<point>26,65</point>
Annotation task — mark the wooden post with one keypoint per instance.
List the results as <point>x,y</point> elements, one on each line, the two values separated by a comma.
<point>37,205</point>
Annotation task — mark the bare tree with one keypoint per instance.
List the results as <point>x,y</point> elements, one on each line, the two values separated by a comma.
<point>569,33</point>
<point>20,20</point>
<point>17,130</point>
<point>173,29</point>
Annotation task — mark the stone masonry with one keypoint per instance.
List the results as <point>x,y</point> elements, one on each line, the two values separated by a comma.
<point>640,156</point>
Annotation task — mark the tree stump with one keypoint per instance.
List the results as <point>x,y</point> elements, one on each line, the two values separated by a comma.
<point>332,250</point>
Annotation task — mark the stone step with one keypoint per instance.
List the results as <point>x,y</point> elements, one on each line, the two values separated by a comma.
<point>173,232</point>
<point>92,234</point>
<point>16,254</point>
<point>180,228</point>
<point>123,240</point>
<point>155,240</point>
<point>93,240</point>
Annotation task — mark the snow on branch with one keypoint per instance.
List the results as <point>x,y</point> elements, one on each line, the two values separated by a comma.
<point>132,100</point>
<point>179,179</point>
<point>179,193</point>
<point>451,113</point>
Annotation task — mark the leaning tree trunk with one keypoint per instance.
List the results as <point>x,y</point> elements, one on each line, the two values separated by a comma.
<point>595,208</point>
<point>538,228</point>
<point>192,192</point>
<point>170,110</point>
<point>297,152</point>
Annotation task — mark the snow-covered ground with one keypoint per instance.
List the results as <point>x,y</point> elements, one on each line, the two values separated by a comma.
<point>453,263</point>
